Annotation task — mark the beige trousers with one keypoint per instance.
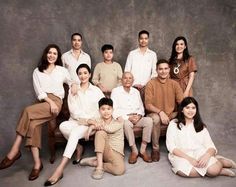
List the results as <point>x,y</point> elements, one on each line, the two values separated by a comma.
<point>145,122</point>
<point>113,161</point>
<point>32,119</point>
<point>156,131</point>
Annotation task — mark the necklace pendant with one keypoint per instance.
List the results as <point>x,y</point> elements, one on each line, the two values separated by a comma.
<point>176,70</point>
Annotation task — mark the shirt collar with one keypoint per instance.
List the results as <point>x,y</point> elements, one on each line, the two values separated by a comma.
<point>130,92</point>
<point>82,52</point>
<point>147,51</point>
<point>90,86</point>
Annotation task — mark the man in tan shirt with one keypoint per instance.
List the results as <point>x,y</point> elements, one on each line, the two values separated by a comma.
<point>161,96</point>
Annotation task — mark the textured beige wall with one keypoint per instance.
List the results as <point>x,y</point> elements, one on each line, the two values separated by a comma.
<point>26,27</point>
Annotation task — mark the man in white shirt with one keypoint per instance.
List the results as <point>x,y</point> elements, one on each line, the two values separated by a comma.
<point>76,56</point>
<point>141,62</point>
<point>128,107</point>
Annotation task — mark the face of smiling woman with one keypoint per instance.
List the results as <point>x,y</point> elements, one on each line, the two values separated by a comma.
<point>52,55</point>
<point>189,111</point>
<point>84,75</point>
<point>180,46</point>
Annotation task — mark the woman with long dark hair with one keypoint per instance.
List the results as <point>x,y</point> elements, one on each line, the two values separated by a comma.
<point>191,150</point>
<point>48,79</point>
<point>182,65</point>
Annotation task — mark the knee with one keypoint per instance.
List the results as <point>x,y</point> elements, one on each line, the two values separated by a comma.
<point>63,126</point>
<point>120,170</point>
<point>148,122</point>
<point>128,125</point>
<point>100,134</point>
<point>156,120</point>
<point>214,170</point>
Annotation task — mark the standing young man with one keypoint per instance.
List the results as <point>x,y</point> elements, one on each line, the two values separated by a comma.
<point>141,62</point>
<point>161,96</point>
<point>76,56</point>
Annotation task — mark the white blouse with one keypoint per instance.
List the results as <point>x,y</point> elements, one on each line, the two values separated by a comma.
<point>85,103</point>
<point>187,139</point>
<point>51,82</point>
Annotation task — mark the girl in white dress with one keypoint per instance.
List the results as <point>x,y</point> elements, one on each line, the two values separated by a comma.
<point>191,150</point>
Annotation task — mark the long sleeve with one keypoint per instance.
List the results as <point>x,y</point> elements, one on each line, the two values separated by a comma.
<point>68,79</point>
<point>89,61</point>
<point>119,75</point>
<point>154,71</point>
<point>117,112</point>
<point>149,93</point>
<point>37,87</point>
<point>141,108</point>
<point>171,136</point>
<point>207,141</point>
<point>63,61</point>
<point>96,73</point>
<point>74,109</point>
<point>179,93</point>
<point>128,65</point>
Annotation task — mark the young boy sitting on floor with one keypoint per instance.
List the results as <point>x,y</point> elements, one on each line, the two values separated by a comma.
<point>109,142</point>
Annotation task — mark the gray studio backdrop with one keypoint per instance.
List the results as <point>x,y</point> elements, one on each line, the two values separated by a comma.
<point>27,26</point>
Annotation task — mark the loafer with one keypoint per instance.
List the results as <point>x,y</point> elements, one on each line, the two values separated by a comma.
<point>6,162</point>
<point>97,174</point>
<point>34,174</point>
<point>155,155</point>
<point>145,157</point>
<point>133,158</point>
<point>50,183</point>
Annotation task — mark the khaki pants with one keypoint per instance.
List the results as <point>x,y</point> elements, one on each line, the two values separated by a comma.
<point>113,161</point>
<point>156,131</point>
<point>145,122</point>
<point>32,119</point>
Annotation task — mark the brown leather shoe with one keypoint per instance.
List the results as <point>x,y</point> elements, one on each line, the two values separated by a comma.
<point>145,157</point>
<point>6,162</point>
<point>155,155</point>
<point>133,158</point>
<point>34,174</point>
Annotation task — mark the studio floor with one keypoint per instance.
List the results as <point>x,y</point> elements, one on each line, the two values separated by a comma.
<point>140,174</point>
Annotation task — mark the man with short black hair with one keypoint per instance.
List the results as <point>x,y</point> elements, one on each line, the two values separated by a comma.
<point>141,62</point>
<point>161,96</point>
<point>76,56</point>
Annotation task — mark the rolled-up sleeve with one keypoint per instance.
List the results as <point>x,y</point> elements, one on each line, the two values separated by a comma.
<point>207,141</point>
<point>68,79</point>
<point>74,109</point>
<point>37,87</point>
<point>171,137</point>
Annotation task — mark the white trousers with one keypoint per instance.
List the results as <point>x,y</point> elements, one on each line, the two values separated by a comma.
<point>72,131</point>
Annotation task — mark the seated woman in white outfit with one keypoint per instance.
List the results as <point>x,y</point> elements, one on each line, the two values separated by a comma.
<point>82,107</point>
<point>191,150</point>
